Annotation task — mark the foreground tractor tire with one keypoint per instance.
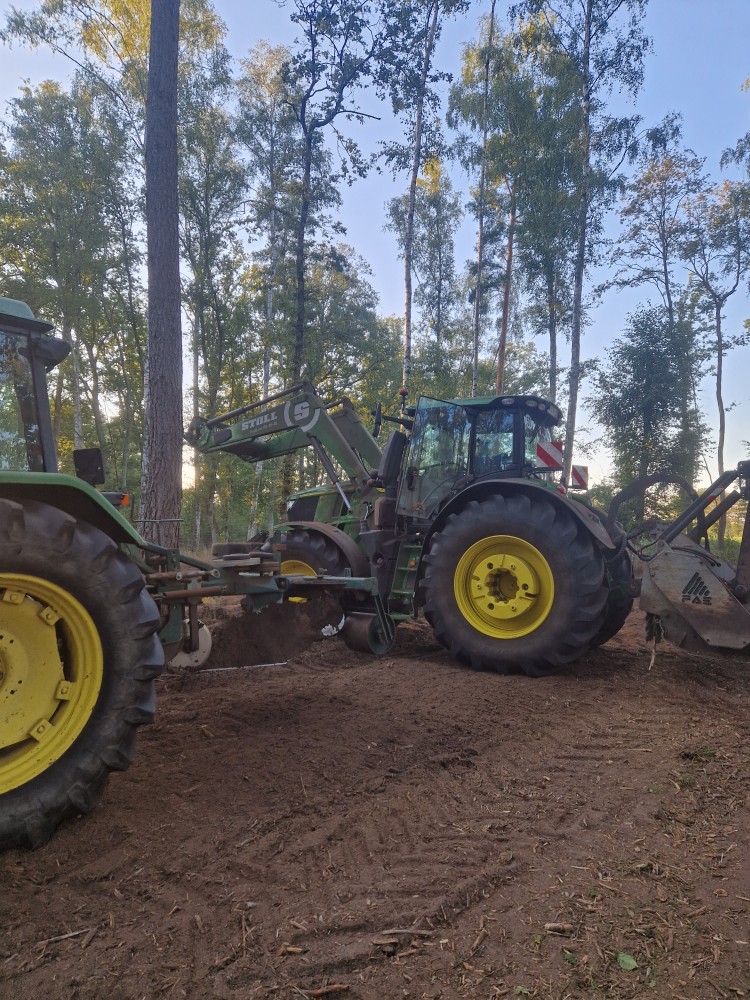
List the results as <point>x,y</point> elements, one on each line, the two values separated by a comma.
<point>78,658</point>
<point>514,584</point>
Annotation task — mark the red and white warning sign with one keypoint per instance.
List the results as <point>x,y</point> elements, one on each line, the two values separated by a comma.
<point>579,477</point>
<point>549,454</point>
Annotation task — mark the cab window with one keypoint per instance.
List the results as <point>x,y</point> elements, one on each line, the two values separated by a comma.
<point>493,449</point>
<point>438,455</point>
<point>20,441</point>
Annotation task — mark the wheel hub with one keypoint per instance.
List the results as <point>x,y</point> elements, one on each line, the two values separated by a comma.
<point>504,586</point>
<point>507,585</point>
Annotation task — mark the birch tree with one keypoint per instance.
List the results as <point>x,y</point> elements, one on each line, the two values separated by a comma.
<point>409,77</point>
<point>606,45</point>
<point>716,247</point>
<point>333,58</point>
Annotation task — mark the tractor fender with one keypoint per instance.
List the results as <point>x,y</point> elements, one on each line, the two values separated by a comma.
<point>345,543</point>
<point>512,487</point>
<point>74,497</point>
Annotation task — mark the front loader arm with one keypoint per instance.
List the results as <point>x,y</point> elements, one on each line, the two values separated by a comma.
<point>299,419</point>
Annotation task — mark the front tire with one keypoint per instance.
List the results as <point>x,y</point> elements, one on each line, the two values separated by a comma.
<point>78,658</point>
<point>308,552</point>
<point>514,584</point>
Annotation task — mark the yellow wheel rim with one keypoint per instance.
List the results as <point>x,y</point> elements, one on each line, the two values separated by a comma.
<point>51,672</point>
<point>504,587</point>
<point>296,567</point>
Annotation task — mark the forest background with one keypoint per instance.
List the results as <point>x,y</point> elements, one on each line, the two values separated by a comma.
<point>666,254</point>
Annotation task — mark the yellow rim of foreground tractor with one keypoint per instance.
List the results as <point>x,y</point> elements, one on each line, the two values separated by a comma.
<point>51,673</point>
<point>504,587</point>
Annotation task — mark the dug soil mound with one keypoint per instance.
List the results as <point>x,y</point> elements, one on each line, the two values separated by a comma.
<point>245,638</point>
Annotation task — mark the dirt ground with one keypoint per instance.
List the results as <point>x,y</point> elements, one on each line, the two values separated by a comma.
<point>405,828</point>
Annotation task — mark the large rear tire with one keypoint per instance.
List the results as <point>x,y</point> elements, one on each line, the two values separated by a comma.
<point>78,658</point>
<point>514,584</point>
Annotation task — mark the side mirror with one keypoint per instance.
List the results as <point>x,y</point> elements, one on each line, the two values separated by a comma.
<point>89,465</point>
<point>378,414</point>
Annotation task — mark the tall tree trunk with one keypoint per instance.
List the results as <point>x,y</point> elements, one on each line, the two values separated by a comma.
<point>502,347</point>
<point>96,407</point>
<point>304,211</point>
<point>718,303</point>
<point>299,323</point>
<point>75,363</point>
<point>57,415</point>
<point>127,438</point>
<point>476,322</point>
<point>197,458</point>
<point>580,259</point>
<point>161,472</point>
<point>685,448</point>
<point>126,403</point>
<point>253,524</point>
<point>416,162</point>
<point>552,332</point>
<point>208,497</point>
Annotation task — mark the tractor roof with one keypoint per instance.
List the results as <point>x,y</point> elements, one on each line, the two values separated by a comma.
<point>540,409</point>
<point>17,317</point>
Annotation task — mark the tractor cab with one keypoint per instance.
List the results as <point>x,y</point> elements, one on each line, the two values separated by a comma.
<point>456,442</point>
<point>27,353</point>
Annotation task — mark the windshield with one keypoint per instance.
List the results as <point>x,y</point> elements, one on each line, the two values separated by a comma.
<point>438,455</point>
<point>20,440</point>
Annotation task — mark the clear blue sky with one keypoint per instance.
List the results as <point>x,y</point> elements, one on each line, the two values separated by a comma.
<point>700,60</point>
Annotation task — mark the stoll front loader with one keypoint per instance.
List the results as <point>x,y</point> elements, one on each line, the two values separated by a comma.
<point>88,609</point>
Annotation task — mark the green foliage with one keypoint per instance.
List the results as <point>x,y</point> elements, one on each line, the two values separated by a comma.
<point>69,220</point>
<point>408,75</point>
<point>262,159</point>
<point>437,216</point>
<point>626,962</point>
<point>518,111</point>
<point>637,395</point>
<point>639,401</point>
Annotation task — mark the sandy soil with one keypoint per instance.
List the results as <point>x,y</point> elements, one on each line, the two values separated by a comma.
<point>405,828</point>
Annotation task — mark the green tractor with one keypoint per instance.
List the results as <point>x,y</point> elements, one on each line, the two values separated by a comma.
<point>454,518</point>
<point>79,649</point>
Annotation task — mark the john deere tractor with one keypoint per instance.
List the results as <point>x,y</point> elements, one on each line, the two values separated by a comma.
<point>78,645</point>
<point>455,518</point>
